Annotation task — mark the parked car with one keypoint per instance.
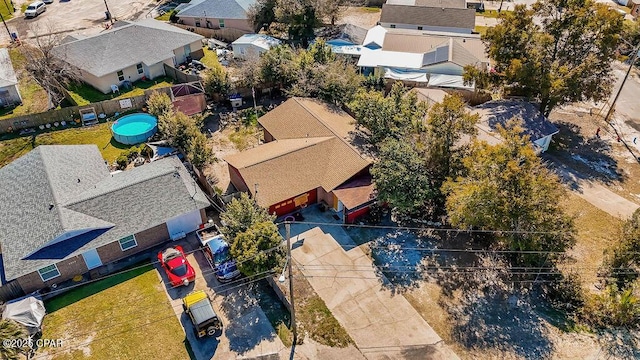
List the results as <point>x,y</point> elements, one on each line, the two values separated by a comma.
<point>34,9</point>
<point>47,1</point>
<point>175,264</point>
<point>216,250</point>
<point>204,319</point>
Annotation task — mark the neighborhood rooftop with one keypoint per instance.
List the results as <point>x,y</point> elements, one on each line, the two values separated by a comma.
<point>428,16</point>
<point>59,201</point>
<point>7,74</point>
<point>105,53</point>
<point>217,9</point>
<point>451,4</point>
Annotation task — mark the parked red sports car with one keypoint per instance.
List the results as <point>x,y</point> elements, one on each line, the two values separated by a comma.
<point>175,264</point>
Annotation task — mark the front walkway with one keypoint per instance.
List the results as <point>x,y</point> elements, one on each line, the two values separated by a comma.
<point>383,325</point>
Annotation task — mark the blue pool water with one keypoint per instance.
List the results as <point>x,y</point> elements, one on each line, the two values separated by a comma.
<point>134,129</point>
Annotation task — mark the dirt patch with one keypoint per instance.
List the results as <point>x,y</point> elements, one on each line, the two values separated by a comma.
<point>360,16</point>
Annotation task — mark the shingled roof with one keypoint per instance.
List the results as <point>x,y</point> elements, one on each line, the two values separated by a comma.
<point>60,201</point>
<point>127,44</point>
<point>217,9</point>
<point>428,16</point>
<point>312,150</point>
<point>7,74</point>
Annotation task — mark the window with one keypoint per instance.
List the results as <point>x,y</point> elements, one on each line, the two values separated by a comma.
<point>49,272</point>
<point>197,23</point>
<point>140,69</point>
<point>221,23</point>
<point>120,75</point>
<point>393,26</point>
<point>128,242</point>
<point>419,27</point>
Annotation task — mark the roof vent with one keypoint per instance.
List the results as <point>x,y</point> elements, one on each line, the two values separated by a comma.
<point>51,206</point>
<point>78,180</point>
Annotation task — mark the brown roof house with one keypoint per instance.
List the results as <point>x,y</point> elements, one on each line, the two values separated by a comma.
<point>431,15</point>
<point>64,214</point>
<point>308,158</point>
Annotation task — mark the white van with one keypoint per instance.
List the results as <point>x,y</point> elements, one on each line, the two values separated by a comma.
<point>34,9</point>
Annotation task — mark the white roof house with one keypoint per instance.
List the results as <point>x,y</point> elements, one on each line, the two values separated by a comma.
<point>9,94</point>
<point>253,45</point>
<point>435,58</point>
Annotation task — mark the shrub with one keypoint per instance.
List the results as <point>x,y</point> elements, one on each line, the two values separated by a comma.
<point>612,308</point>
<point>122,160</point>
<point>566,295</point>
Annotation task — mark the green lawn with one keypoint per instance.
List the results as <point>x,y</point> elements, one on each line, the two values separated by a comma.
<point>165,16</point>
<point>99,134</point>
<point>5,10</point>
<point>489,13</point>
<point>85,94</point>
<point>34,98</point>
<point>480,30</point>
<point>210,59</point>
<point>126,316</point>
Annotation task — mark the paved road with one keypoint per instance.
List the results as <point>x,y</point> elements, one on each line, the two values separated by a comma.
<point>628,104</point>
<point>246,332</point>
<point>383,325</point>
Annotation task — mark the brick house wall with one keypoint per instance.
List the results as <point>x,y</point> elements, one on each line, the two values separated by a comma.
<point>108,253</point>
<point>68,269</point>
<point>237,180</point>
<point>145,239</point>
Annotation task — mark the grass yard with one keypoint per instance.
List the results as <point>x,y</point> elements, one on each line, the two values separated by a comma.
<point>165,16</point>
<point>99,134</point>
<point>5,10</point>
<point>210,59</point>
<point>34,98</point>
<point>489,13</point>
<point>84,94</point>
<point>126,316</point>
<point>480,29</point>
<point>597,231</point>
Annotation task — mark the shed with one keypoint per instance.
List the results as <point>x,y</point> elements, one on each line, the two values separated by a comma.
<point>253,45</point>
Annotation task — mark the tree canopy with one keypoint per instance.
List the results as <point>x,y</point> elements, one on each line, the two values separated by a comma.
<point>392,116</point>
<point>216,80</point>
<point>506,187</point>
<point>250,231</point>
<point>556,52</point>
<point>625,254</point>
<point>401,177</point>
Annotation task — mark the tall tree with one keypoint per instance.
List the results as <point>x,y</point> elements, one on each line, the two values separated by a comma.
<point>216,80</point>
<point>401,178</point>
<point>301,18</point>
<point>241,214</point>
<point>256,248</point>
<point>622,261</point>
<point>563,56</point>
<point>279,66</point>
<point>261,14</point>
<point>447,122</point>
<point>506,187</point>
<point>392,116</point>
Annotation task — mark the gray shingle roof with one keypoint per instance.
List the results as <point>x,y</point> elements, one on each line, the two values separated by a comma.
<point>7,74</point>
<point>500,111</point>
<point>147,41</point>
<point>98,210</point>
<point>428,16</point>
<point>217,9</point>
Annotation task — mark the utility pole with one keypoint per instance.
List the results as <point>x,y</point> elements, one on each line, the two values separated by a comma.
<point>294,328</point>
<point>613,104</point>
<point>108,12</point>
<point>6,27</point>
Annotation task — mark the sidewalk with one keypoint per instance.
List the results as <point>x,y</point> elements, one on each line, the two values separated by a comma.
<point>382,324</point>
<point>596,194</point>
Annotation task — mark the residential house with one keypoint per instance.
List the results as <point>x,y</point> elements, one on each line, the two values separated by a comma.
<point>635,8</point>
<point>429,15</point>
<point>224,18</point>
<point>310,156</point>
<point>130,51</point>
<point>65,215</point>
<point>252,45</point>
<point>9,93</point>
<point>432,59</point>
<point>498,112</point>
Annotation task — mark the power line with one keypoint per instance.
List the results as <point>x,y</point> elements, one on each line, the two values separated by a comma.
<point>448,230</point>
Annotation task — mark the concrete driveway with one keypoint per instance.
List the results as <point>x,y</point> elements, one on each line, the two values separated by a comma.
<point>74,16</point>
<point>246,331</point>
<point>383,325</point>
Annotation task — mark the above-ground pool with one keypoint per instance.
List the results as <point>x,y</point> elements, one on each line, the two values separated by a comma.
<point>134,129</point>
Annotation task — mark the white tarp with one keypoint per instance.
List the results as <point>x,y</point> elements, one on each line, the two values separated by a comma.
<point>28,311</point>
<point>434,80</point>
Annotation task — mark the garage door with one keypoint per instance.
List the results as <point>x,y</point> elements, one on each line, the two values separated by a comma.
<point>179,226</point>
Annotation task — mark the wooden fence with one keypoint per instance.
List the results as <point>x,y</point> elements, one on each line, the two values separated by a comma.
<point>179,76</point>
<point>69,114</point>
